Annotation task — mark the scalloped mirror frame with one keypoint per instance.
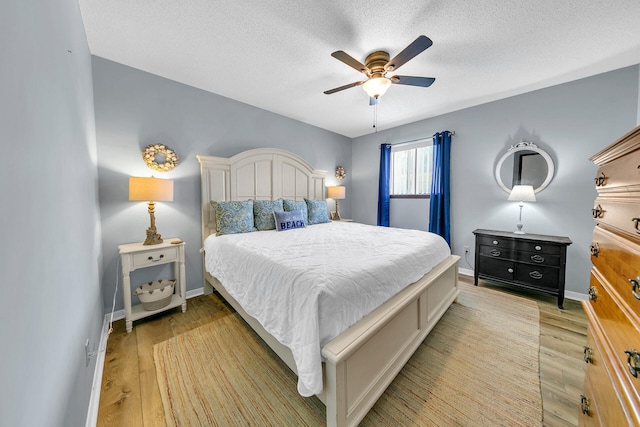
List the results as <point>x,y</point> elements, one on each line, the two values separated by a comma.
<point>522,146</point>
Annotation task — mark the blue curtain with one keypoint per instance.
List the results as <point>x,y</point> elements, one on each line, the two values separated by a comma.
<point>439,215</point>
<point>383,186</point>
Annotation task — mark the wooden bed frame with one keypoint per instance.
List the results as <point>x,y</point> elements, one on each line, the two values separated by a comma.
<point>363,360</point>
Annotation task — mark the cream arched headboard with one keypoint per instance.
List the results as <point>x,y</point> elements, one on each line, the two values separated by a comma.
<point>259,174</point>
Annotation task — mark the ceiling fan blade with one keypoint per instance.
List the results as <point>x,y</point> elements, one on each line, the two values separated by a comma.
<point>412,81</point>
<point>338,89</point>
<point>351,62</point>
<point>419,45</point>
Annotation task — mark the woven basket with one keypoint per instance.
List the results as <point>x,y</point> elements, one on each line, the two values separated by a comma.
<point>155,295</point>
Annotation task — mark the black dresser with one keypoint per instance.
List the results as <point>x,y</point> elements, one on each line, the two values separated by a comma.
<point>532,261</point>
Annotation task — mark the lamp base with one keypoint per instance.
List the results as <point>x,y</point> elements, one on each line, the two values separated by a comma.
<point>153,237</point>
<point>519,230</point>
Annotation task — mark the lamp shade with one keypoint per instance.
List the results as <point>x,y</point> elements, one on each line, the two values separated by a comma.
<point>377,86</point>
<point>522,193</point>
<point>336,192</point>
<point>150,189</point>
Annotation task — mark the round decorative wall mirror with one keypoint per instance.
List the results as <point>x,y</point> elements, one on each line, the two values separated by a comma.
<point>524,164</point>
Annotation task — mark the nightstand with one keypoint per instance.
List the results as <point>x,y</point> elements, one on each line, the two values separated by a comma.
<point>531,261</point>
<point>343,220</point>
<point>135,256</point>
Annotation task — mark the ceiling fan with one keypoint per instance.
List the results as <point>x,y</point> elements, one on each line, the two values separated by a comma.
<point>377,65</point>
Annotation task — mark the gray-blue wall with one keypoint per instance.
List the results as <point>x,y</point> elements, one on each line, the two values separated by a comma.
<point>51,297</point>
<point>134,108</point>
<point>571,122</point>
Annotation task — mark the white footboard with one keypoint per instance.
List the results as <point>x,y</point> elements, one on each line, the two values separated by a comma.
<point>362,361</point>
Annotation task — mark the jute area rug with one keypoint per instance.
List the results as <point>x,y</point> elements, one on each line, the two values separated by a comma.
<point>478,367</point>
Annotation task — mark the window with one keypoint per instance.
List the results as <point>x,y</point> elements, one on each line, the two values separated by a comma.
<point>411,169</point>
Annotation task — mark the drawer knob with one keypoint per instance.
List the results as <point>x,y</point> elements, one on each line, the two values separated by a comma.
<point>584,404</point>
<point>600,180</point>
<point>636,221</point>
<point>588,354</point>
<point>593,293</point>
<point>535,275</point>
<point>635,284</point>
<point>510,270</point>
<point>595,249</point>
<point>597,212</point>
<point>495,242</point>
<point>538,248</point>
<point>537,258</point>
<point>635,366</point>
<point>152,259</point>
<point>494,252</point>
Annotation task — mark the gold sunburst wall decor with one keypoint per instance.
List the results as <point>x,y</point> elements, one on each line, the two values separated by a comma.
<point>340,173</point>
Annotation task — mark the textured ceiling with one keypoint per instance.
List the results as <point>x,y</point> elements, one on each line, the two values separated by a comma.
<point>276,54</point>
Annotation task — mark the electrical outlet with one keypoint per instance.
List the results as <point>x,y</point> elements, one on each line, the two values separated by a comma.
<point>466,249</point>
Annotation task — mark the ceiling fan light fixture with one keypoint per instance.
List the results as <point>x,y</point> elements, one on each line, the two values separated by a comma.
<point>377,86</point>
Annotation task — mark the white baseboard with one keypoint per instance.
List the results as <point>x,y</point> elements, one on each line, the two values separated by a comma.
<point>465,272</point>
<point>94,401</point>
<point>576,296</point>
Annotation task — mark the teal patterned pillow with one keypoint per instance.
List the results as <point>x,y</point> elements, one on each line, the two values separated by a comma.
<point>263,213</point>
<point>234,217</point>
<point>318,212</point>
<point>292,205</point>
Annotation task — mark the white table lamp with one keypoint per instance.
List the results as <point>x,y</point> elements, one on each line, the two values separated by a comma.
<point>522,193</point>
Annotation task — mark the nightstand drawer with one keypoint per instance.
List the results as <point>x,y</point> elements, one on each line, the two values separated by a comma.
<point>497,252</point>
<point>539,276</point>
<point>496,241</point>
<point>539,247</point>
<point>539,258</point>
<point>159,256</point>
<point>498,268</point>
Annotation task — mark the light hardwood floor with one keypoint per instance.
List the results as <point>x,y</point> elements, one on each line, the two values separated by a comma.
<point>130,395</point>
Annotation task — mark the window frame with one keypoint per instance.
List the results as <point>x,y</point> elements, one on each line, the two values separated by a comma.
<point>426,142</point>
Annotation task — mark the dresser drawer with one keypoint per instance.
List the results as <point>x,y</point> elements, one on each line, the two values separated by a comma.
<point>497,252</point>
<point>154,257</point>
<point>498,268</point>
<point>604,406</point>
<point>591,417</point>
<point>620,214</point>
<point>619,260</point>
<point>496,241</point>
<point>539,276</point>
<point>618,327</point>
<point>539,258</point>
<point>622,172</point>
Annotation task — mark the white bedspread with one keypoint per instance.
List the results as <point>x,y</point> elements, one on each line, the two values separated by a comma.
<point>306,286</point>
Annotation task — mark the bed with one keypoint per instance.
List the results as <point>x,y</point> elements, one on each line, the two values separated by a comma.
<point>359,362</point>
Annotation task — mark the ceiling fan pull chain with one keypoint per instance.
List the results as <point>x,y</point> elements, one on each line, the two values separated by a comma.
<point>375,116</point>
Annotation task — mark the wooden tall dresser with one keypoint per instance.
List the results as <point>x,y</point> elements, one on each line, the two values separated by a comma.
<point>612,383</point>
